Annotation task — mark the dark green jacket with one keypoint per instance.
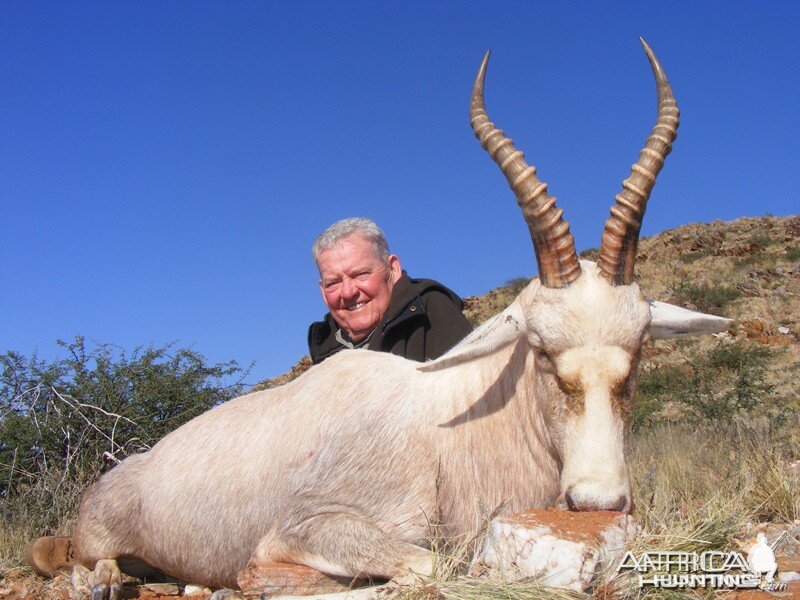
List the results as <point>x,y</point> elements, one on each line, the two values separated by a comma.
<point>423,322</point>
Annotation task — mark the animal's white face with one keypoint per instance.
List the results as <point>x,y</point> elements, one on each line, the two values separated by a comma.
<point>584,323</point>
<point>587,339</point>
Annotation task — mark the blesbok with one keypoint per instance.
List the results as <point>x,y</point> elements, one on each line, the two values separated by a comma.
<point>346,468</point>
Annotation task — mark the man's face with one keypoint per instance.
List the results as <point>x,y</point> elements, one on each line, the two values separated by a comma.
<point>356,285</point>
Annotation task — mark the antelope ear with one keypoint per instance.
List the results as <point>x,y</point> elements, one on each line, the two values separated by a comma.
<point>498,332</point>
<point>670,321</point>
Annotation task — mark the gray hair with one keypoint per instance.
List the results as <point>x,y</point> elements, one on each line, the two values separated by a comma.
<point>361,226</point>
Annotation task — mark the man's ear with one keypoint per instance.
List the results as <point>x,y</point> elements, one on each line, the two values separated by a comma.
<point>670,321</point>
<point>395,270</point>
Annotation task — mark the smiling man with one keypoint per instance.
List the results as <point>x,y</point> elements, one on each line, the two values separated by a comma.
<point>373,303</point>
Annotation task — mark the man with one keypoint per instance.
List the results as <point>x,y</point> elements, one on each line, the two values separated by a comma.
<point>374,304</point>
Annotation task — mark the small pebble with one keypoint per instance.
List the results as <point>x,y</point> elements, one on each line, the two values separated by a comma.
<point>783,330</point>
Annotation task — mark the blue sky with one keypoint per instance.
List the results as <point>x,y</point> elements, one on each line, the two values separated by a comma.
<point>165,166</point>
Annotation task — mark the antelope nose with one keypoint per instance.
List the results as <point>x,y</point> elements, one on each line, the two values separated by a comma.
<point>575,501</point>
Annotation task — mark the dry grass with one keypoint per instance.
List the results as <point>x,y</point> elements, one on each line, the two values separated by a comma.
<point>47,508</point>
<point>696,489</point>
<point>682,470</point>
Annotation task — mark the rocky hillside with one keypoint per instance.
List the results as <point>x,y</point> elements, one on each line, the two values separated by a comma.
<point>749,270</point>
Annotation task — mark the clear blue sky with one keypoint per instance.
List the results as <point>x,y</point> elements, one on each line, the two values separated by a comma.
<point>165,166</point>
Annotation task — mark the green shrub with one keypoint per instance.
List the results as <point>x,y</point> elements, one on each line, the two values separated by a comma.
<point>655,388</point>
<point>760,241</point>
<point>690,257</point>
<point>758,261</point>
<point>744,367</point>
<point>728,380</point>
<point>63,422</point>
<point>707,298</point>
<point>737,357</point>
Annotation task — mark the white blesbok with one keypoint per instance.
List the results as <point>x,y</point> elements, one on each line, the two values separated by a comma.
<point>346,468</point>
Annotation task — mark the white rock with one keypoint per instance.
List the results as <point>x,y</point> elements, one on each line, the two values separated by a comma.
<point>788,576</point>
<point>562,549</point>
<point>784,330</point>
<point>196,590</point>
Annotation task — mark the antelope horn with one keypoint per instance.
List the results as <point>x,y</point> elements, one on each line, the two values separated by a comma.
<point>552,242</point>
<point>621,233</point>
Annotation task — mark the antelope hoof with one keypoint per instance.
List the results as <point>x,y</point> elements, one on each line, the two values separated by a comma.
<point>99,591</point>
<point>105,592</point>
<point>107,580</point>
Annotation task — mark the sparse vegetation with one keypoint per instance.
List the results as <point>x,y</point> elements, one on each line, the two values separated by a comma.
<point>760,241</point>
<point>705,298</point>
<point>690,257</point>
<point>727,381</point>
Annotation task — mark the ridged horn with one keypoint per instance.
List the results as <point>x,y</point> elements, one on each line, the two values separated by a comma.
<point>621,233</point>
<point>552,242</point>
